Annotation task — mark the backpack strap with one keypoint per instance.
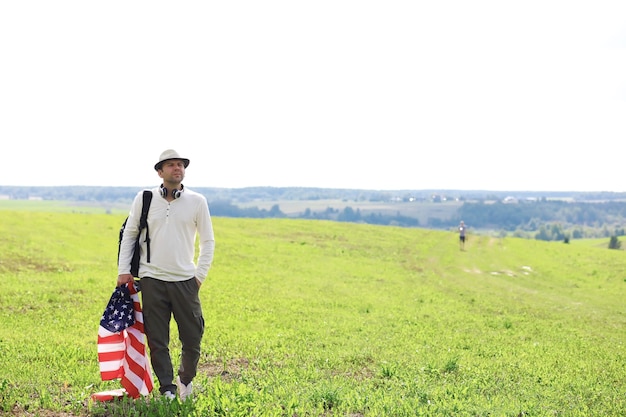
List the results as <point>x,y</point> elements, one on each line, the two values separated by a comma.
<point>143,221</point>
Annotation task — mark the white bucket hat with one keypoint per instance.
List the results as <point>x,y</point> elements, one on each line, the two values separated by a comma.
<point>167,155</point>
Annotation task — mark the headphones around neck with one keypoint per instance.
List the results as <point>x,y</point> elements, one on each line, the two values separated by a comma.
<point>174,193</point>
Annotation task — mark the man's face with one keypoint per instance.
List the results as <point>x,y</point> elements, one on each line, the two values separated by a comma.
<point>173,170</point>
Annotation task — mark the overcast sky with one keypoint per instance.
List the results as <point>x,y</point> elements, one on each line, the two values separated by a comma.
<point>491,95</point>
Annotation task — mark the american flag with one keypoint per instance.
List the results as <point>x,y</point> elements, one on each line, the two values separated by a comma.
<point>121,348</point>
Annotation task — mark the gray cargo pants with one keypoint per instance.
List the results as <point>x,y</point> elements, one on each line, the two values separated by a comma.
<point>161,300</point>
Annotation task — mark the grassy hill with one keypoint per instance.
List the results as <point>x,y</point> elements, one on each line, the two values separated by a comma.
<point>309,318</point>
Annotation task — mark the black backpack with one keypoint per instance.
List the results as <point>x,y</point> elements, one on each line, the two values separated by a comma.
<point>143,224</point>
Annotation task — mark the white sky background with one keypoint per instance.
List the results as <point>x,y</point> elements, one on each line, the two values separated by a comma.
<point>491,95</point>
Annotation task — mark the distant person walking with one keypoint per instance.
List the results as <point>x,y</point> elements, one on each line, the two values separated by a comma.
<point>462,235</point>
<point>169,279</point>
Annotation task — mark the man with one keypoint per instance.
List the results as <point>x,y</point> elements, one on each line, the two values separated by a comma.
<point>170,280</point>
<point>462,231</point>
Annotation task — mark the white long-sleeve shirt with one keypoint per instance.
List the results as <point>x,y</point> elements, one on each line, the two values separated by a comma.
<point>174,227</point>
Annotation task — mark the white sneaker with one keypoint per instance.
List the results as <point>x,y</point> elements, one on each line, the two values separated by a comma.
<point>169,395</point>
<point>184,391</point>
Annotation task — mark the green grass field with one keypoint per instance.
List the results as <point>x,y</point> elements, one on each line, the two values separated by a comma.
<point>314,318</point>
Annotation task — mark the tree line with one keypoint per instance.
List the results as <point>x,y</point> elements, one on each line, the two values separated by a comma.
<point>347,214</point>
<point>542,220</point>
<point>549,219</point>
<point>538,215</point>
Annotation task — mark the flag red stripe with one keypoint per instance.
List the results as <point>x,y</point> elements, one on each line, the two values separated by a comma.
<point>110,356</point>
<point>111,375</point>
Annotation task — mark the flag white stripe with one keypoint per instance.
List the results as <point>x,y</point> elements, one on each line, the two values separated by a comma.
<point>111,347</point>
<point>109,366</point>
